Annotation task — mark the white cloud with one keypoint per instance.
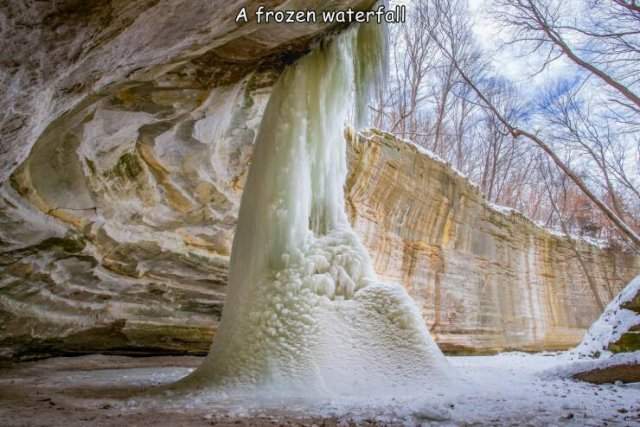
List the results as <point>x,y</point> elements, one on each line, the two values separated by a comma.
<point>511,61</point>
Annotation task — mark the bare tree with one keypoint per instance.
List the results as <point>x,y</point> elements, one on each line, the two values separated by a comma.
<point>398,107</point>
<point>444,96</point>
<point>610,51</point>
<point>575,125</point>
<point>445,26</point>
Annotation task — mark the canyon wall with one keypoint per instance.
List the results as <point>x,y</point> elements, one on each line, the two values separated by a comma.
<point>487,278</point>
<point>125,141</point>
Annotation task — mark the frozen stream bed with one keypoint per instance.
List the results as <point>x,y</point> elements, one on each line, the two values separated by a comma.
<point>508,389</point>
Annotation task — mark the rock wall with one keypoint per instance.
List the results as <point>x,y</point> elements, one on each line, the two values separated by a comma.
<point>59,54</point>
<point>125,140</point>
<point>487,278</point>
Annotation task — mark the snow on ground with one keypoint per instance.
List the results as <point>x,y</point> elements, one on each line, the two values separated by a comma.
<point>521,389</point>
<point>512,389</point>
<point>507,389</point>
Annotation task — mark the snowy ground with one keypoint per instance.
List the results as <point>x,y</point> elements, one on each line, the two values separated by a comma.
<point>509,389</point>
<point>521,389</point>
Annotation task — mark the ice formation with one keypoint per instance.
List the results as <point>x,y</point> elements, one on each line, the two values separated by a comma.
<point>305,314</point>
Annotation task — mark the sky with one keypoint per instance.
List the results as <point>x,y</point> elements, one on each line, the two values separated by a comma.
<point>508,60</point>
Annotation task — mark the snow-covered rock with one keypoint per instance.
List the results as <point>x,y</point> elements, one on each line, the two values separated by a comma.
<point>618,329</point>
<point>610,351</point>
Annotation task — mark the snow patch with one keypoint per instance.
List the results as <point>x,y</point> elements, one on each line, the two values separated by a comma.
<point>613,323</point>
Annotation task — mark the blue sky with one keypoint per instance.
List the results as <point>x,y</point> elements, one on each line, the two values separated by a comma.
<point>508,60</point>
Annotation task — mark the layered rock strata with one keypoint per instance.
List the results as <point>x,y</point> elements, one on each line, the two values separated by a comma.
<point>487,278</point>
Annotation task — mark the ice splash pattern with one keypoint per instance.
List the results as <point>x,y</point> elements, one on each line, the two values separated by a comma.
<point>305,315</point>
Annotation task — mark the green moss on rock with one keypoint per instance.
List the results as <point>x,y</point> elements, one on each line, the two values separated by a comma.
<point>128,167</point>
<point>628,342</point>
<point>633,305</point>
<point>91,165</point>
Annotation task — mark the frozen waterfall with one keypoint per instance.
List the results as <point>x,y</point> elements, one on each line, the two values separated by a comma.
<point>305,315</point>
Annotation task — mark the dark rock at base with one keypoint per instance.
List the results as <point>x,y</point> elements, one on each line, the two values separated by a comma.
<point>627,373</point>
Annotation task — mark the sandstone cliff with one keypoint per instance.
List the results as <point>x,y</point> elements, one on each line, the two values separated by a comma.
<point>127,133</point>
<point>487,279</point>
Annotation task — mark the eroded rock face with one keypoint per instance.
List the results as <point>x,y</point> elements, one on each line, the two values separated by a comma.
<point>119,223</point>
<point>136,272</point>
<point>59,54</point>
<point>126,136</point>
